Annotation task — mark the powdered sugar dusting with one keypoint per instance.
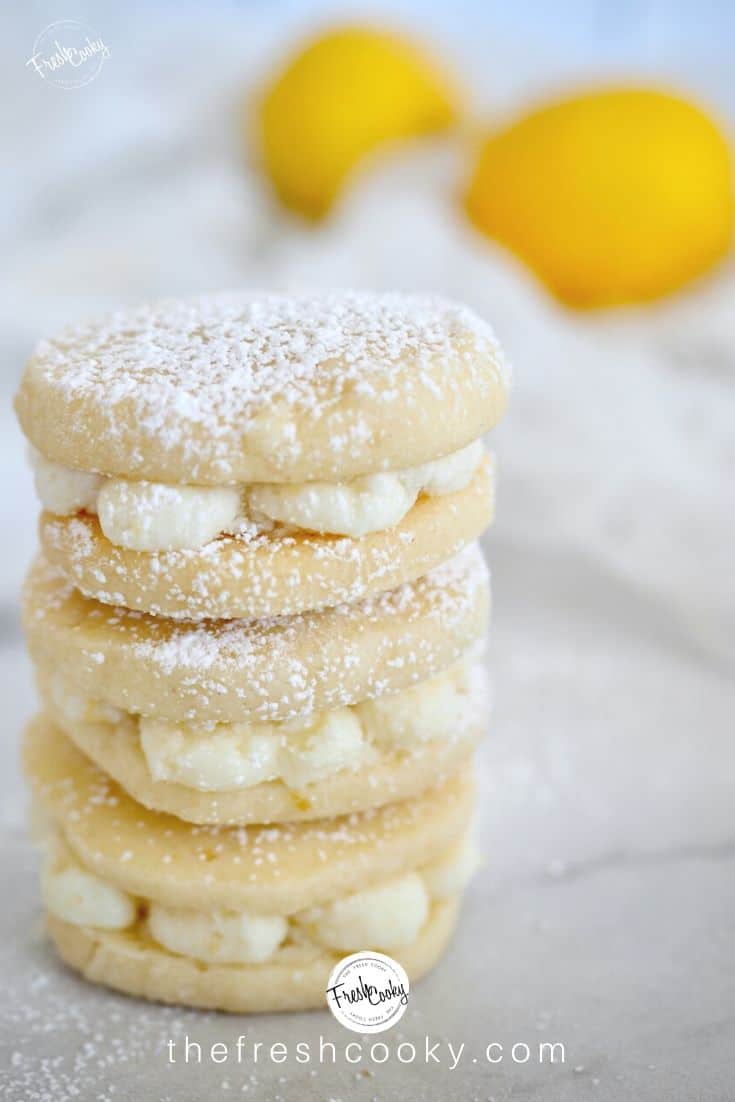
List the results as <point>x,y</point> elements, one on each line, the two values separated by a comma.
<point>450,589</point>
<point>255,573</point>
<point>196,376</point>
<point>280,668</point>
<point>116,837</point>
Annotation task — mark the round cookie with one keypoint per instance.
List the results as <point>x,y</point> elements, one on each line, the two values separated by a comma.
<point>268,574</point>
<point>264,388</point>
<point>273,870</point>
<point>394,776</point>
<point>131,962</point>
<point>277,669</point>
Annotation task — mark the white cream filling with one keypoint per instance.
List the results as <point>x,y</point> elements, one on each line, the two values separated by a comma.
<point>74,706</point>
<point>450,873</point>
<point>221,937</point>
<point>230,756</point>
<point>73,893</point>
<point>385,916</point>
<point>240,755</point>
<point>61,490</point>
<point>446,706</point>
<point>152,516</point>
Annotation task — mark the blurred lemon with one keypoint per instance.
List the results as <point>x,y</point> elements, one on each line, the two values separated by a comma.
<point>339,98</point>
<point>612,197</point>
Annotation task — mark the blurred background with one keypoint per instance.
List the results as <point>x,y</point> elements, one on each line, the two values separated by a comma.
<point>565,170</point>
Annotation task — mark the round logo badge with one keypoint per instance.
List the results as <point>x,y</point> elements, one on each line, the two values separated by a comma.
<point>368,992</point>
<point>68,54</point>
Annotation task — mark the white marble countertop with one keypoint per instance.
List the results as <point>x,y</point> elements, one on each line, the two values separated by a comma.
<point>604,917</point>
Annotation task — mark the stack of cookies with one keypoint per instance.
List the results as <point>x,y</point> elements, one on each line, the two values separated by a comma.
<point>257,626</point>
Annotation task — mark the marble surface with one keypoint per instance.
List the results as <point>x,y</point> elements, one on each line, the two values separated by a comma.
<point>604,917</point>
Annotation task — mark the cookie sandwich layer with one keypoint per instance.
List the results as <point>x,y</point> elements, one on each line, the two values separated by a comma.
<point>154,516</point>
<point>237,389</point>
<point>246,918</point>
<point>280,669</point>
<point>245,456</point>
<point>330,763</point>
<point>260,573</point>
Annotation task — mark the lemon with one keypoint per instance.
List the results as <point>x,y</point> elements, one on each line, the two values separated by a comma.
<point>617,196</point>
<point>341,97</point>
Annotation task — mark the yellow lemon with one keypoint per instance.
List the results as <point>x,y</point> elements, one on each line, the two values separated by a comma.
<point>341,97</point>
<point>617,196</point>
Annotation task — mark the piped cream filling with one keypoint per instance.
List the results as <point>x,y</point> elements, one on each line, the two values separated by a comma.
<point>232,756</point>
<point>153,516</point>
<point>73,893</point>
<point>385,916</point>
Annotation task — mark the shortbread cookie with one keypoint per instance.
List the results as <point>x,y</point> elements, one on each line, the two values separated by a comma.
<point>130,962</point>
<point>257,574</point>
<point>238,388</point>
<point>256,456</point>
<point>352,758</point>
<point>261,870</point>
<point>270,670</point>
<point>155,516</point>
<point>165,904</point>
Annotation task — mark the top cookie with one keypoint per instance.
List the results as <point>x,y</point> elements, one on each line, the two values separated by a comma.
<point>268,388</point>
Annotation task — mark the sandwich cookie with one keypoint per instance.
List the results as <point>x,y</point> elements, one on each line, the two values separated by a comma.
<point>348,759</point>
<point>245,918</point>
<point>256,456</point>
<point>260,573</point>
<point>277,670</point>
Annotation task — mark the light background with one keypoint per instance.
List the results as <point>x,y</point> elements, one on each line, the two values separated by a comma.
<point>604,915</point>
